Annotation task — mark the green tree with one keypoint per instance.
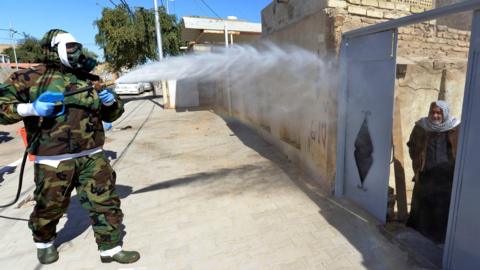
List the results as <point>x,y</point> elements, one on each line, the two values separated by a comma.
<point>88,53</point>
<point>28,50</point>
<point>128,39</point>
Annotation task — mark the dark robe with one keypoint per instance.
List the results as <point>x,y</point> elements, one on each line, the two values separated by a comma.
<point>431,194</point>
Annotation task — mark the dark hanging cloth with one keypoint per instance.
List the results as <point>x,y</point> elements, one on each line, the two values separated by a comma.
<point>431,195</point>
<point>363,151</point>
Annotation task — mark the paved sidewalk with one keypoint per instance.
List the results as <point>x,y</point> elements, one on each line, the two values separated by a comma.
<point>199,193</point>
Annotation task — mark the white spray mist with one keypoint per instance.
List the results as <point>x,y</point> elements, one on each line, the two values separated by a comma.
<point>240,61</point>
<point>288,89</point>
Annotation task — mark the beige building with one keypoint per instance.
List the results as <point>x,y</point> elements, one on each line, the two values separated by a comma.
<point>202,33</point>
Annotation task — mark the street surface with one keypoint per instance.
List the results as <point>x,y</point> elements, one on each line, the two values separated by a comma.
<point>200,193</point>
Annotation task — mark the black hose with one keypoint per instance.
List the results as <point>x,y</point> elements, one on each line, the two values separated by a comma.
<point>22,169</point>
<point>20,180</point>
<point>25,154</point>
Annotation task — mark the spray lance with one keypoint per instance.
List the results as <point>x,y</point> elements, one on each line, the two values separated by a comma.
<point>57,98</point>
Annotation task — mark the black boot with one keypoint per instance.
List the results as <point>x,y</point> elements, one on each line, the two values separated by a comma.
<point>47,255</point>
<point>122,257</point>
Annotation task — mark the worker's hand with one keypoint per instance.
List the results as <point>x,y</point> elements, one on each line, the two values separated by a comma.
<point>106,97</point>
<point>45,104</point>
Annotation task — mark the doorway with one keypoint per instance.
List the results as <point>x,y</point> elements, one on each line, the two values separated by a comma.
<point>361,119</point>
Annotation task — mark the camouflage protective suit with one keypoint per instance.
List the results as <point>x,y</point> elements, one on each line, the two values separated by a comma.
<point>78,129</point>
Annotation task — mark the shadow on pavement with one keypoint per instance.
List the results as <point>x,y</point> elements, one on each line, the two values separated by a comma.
<point>6,170</point>
<point>5,137</point>
<point>78,219</point>
<point>198,177</point>
<point>151,98</point>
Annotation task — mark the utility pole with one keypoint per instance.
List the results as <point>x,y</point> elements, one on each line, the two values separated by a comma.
<point>13,46</point>
<point>225,29</point>
<point>227,79</point>
<point>159,33</point>
<point>167,6</point>
<point>160,52</point>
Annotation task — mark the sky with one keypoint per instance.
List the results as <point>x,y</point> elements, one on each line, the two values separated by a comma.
<point>35,17</point>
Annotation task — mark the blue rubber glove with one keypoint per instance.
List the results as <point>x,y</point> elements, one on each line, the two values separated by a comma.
<point>107,126</point>
<point>106,97</point>
<point>45,104</point>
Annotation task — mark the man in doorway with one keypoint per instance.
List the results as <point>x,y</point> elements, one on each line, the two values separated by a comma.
<point>432,147</point>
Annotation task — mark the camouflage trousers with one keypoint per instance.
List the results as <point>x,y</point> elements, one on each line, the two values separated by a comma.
<point>94,180</point>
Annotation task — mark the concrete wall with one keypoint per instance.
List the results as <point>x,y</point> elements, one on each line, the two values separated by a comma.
<point>313,33</point>
<point>195,92</point>
<point>425,40</point>
<point>462,21</point>
<point>278,15</point>
<point>298,117</point>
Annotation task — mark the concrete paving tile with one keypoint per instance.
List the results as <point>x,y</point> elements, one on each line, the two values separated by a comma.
<point>284,255</point>
<point>355,256</point>
<point>297,264</point>
<point>302,228</point>
<point>326,233</point>
<point>260,246</point>
<point>316,260</point>
<point>222,261</point>
<point>338,262</point>
<point>307,239</point>
<point>338,252</point>
<point>175,253</point>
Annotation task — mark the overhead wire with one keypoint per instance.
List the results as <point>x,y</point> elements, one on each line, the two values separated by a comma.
<point>125,4</point>
<point>211,9</point>
<point>113,3</point>
<point>201,7</point>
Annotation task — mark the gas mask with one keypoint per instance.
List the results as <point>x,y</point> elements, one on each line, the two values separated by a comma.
<point>71,54</point>
<point>77,59</point>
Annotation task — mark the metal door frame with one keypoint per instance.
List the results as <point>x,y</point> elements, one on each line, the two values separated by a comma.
<point>357,55</point>
<point>472,5</point>
<point>453,254</point>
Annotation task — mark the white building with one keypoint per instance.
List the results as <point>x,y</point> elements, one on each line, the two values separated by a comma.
<point>203,33</point>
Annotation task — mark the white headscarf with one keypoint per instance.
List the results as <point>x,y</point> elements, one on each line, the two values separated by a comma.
<point>61,40</point>
<point>448,123</point>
